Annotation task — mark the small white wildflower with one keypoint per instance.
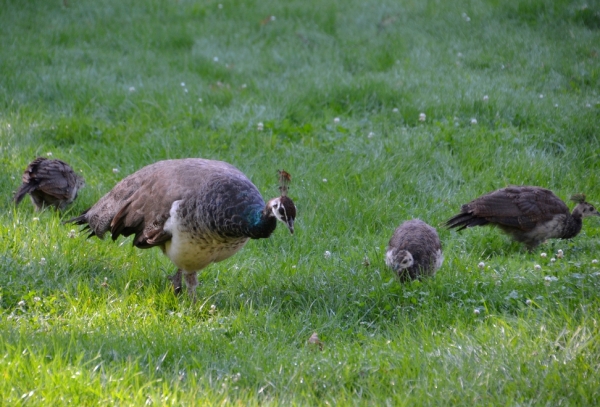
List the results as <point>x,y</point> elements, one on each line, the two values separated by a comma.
<point>21,303</point>
<point>556,105</point>
<point>115,170</point>
<point>220,6</point>
<point>72,234</point>
<point>336,120</point>
<point>528,302</point>
<point>481,265</point>
<point>473,121</point>
<point>560,254</point>
<point>12,177</point>
<point>460,55</point>
<point>537,267</point>
<point>486,98</point>
<point>324,179</point>
<point>260,126</point>
<point>327,254</point>
<point>43,261</point>
<point>552,260</point>
<point>216,59</point>
<point>213,309</point>
<point>476,311</point>
<point>49,154</point>
<point>371,135</point>
<point>132,89</point>
<point>244,86</point>
<point>466,17</point>
<point>294,266</point>
<point>185,90</point>
<point>272,18</point>
<point>595,261</point>
<point>36,299</point>
<point>422,117</point>
<point>199,99</point>
<point>547,279</point>
<point>183,84</point>
<point>588,105</point>
<point>35,219</point>
<point>544,255</point>
<point>395,110</point>
<point>541,96</point>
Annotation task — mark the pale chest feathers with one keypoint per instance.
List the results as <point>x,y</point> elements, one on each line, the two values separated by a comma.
<point>194,249</point>
<point>554,228</point>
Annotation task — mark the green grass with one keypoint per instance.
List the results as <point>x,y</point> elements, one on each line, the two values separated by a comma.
<point>99,84</point>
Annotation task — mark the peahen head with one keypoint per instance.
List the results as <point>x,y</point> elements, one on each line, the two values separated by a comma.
<point>283,209</point>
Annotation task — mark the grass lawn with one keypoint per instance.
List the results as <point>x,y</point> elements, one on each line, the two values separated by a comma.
<point>510,93</point>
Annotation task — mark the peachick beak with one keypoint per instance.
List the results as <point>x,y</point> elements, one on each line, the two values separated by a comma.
<point>290,225</point>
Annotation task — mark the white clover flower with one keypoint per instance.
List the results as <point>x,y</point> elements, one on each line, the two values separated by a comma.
<point>466,17</point>
<point>556,105</point>
<point>528,302</point>
<point>72,234</point>
<point>244,86</point>
<point>544,255</point>
<point>395,110</point>
<point>560,254</point>
<point>588,105</point>
<point>49,154</point>
<point>220,6</point>
<point>595,261</point>
<point>537,267</point>
<point>324,179</point>
<point>486,98</point>
<point>115,170</point>
<point>552,260</point>
<point>21,303</point>
<point>547,279</point>
<point>185,90</point>
<point>43,261</point>
<point>476,311</point>
<point>132,89</point>
<point>422,117</point>
<point>481,265</point>
<point>260,126</point>
<point>200,100</point>
<point>371,135</point>
<point>327,254</point>
<point>37,299</point>
<point>35,219</point>
<point>183,84</point>
<point>336,120</point>
<point>216,59</point>
<point>473,121</point>
<point>541,96</point>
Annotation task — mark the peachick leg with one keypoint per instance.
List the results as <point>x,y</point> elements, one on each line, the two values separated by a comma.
<point>176,281</point>
<point>191,280</point>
